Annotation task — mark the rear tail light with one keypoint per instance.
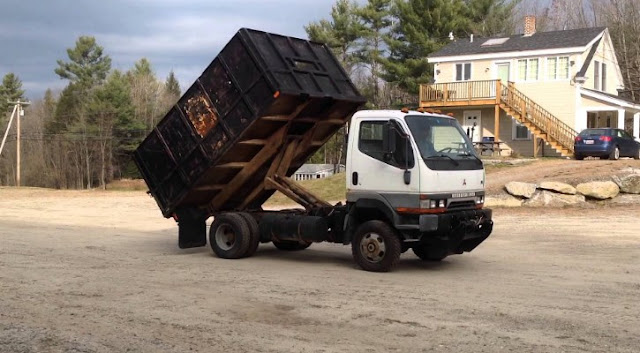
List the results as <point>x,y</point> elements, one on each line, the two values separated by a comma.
<point>606,138</point>
<point>578,138</point>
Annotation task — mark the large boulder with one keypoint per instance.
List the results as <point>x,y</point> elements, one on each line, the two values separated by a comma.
<point>599,190</point>
<point>553,199</point>
<point>519,189</point>
<point>629,184</point>
<point>558,187</point>
<point>502,201</point>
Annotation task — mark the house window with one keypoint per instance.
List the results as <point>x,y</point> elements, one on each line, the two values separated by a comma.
<point>558,68</point>
<point>527,69</point>
<point>520,132</point>
<point>600,76</point>
<point>463,72</point>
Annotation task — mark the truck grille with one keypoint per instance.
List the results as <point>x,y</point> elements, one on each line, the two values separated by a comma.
<point>461,205</point>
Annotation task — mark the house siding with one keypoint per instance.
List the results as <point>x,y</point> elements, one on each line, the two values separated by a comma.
<point>509,145</point>
<point>605,53</point>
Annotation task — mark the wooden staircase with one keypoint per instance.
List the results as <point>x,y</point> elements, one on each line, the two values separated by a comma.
<point>538,120</point>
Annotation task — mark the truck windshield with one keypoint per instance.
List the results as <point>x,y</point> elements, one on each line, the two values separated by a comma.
<point>442,143</point>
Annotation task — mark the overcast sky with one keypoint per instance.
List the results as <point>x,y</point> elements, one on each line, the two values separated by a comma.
<point>179,35</point>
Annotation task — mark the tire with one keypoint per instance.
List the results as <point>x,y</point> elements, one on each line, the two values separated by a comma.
<point>229,236</point>
<point>427,254</point>
<point>376,247</point>
<point>615,154</point>
<point>254,234</point>
<point>290,245</point>
<point>637,155</point>
<point>578,157</point>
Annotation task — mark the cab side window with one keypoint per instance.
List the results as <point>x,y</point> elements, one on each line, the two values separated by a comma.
<point>371,143</point>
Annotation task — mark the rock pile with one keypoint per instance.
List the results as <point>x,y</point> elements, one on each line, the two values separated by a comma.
<point>623,189</point>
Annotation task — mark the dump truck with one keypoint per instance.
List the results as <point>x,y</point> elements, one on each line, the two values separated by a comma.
<point>259,111</point>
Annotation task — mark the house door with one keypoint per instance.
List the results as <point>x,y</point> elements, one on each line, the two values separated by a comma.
<point>504,70</point>
<point>472,125</point>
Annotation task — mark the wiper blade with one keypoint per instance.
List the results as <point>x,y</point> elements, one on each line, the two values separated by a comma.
<point>442,155</point>
<point>470,155</point>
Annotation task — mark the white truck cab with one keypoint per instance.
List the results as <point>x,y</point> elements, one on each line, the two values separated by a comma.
<point>418,173</point>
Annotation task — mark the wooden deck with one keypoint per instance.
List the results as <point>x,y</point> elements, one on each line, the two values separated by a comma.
<point>457,94</point>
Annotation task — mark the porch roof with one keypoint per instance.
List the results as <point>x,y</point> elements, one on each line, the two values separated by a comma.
<point>610,99</point>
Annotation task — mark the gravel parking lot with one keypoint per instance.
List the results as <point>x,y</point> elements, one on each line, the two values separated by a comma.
<point>101,272</point>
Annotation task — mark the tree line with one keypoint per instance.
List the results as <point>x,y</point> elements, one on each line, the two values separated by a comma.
<point>83,137</point>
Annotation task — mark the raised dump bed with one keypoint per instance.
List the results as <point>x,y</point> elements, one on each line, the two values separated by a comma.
<point>264,105</point>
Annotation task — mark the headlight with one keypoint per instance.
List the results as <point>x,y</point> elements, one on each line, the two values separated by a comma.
<point>433,204</point>
<point>480,200</point>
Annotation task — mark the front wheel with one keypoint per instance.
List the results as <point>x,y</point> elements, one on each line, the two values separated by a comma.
<point>426,253</point>
<point>376,246</point>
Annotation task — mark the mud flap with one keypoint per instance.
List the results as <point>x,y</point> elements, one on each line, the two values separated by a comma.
<point>192,228</point>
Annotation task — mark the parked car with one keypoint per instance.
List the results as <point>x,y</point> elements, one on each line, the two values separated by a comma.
<point>606,143</point>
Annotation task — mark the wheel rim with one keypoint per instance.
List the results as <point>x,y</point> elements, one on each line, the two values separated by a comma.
<point>616,153</point>
<point>225,237</point>
<point>372,247</point>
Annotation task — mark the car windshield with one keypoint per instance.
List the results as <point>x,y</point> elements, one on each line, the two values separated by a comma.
<point>439,137</point>
<point>595,132</point>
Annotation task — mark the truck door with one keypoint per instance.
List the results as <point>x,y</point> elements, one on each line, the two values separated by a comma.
<point>372,170</point>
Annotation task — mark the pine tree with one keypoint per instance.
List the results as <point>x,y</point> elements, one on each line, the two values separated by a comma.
<point>341,34</point>
<point>421,28</point>
<point>172,86</point>
<point>88,66</point>
<point>376,19</point>
<point>491,17</point>
<point>10,91</point>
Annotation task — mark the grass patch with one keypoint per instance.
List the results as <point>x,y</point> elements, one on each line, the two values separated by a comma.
<point>330,189</point>
<point>127,185</point>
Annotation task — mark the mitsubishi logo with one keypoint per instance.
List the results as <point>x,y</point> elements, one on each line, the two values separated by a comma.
<point>464,182</point>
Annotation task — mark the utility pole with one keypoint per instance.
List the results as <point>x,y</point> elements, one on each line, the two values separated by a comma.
<point>19,112</point>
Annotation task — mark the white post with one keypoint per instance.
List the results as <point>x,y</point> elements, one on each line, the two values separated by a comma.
<point>18,165</point>
<point>581,119</point>
<point>621,119</point>
<point>636,125</point>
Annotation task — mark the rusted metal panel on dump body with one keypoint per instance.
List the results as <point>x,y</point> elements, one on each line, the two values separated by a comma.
<point>262,93</point>
<point>201,113</point>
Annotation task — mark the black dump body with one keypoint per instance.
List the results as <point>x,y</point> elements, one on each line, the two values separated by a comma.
<point>263,94</point>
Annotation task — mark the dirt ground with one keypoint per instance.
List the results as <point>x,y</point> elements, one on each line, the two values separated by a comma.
<point>568,171</point>
<point>101,272</point>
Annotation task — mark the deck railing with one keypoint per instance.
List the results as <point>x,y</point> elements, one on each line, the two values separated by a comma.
<point>458,91</point>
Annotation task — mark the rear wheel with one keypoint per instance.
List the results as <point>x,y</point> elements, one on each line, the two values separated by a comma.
<point>254,234</point>
<point>637,155</point>
<point>579,157</point>
<point>376,247</point>
<point>426,253</point>
<point>615,154</point>
<point>229,236</point>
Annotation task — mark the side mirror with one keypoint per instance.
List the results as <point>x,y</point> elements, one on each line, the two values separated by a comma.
<point>388,138</point>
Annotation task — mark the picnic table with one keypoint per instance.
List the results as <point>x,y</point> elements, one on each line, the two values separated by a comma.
<point>493,146</point>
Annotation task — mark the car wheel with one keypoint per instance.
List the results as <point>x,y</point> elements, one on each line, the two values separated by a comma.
<point>578,156</point>
<point>637,155</point>
<point>376,246</point>
<point>615,154</point>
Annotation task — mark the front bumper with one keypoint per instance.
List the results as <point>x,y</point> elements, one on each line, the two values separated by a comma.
<point>459,232</point>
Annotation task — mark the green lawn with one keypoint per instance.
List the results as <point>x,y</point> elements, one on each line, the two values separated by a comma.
<point>330,189</point>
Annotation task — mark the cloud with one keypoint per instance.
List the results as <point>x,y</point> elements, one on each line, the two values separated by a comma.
<point>179,35</point>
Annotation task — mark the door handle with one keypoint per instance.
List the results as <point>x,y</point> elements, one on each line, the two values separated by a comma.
<point>354,178</point>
